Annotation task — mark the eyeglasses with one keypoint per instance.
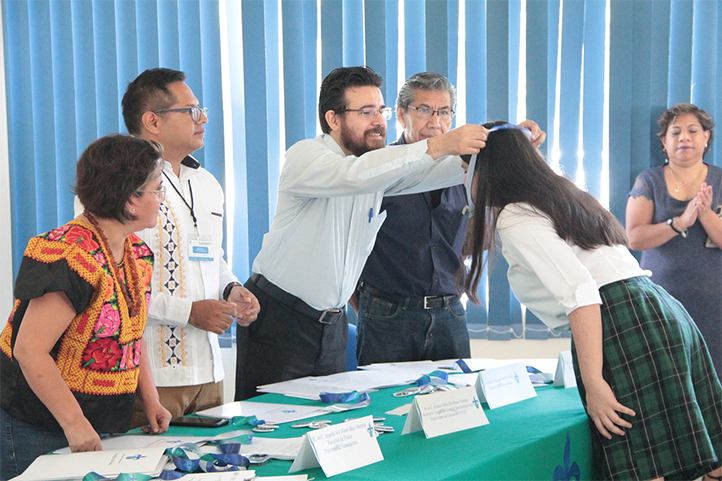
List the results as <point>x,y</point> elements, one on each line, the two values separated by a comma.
<point>195,112</point>
<point>426,112</point>
<point>159,193</point>
<point>369,113</point>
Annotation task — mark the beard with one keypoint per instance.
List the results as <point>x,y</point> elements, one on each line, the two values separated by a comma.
<point>365,143</point>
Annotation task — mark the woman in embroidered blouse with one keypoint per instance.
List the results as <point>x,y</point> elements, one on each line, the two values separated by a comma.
<point>644,373</point>
<point>671,219</point>
<point>73,354</point>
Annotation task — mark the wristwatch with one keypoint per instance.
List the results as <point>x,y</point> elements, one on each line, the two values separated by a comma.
<point>683,233</point>
<point>229,288</point>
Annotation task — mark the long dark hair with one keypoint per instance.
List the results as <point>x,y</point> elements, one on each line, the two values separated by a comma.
<point>509,169</point>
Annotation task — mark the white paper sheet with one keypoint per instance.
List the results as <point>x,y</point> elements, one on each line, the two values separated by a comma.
<point>269,412</point>
<point>106,463</point>
<point>123,442</point>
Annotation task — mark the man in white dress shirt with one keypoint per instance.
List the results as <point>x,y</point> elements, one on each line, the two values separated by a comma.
<point>195,296</point>
<point>326,221</point>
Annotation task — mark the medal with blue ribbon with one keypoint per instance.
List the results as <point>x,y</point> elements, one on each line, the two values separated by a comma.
<point>353,397</point>
<point>434,378</point>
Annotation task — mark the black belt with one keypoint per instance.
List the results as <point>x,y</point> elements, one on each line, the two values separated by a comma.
<point>328,316</point>
<point>426,302</point>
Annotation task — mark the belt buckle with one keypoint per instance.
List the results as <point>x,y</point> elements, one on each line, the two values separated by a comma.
<point>428,299</point>
<point>333,314</point>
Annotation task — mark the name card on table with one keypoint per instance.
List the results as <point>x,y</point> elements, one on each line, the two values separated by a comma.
<point>565,371</point>
<point>339,448</point>
<point>445,412</point>
<point>505,385</point>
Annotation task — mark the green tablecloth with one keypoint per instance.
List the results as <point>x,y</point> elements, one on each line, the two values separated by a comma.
<point>523,441</point>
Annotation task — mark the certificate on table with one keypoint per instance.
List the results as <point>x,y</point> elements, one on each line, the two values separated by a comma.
<point>106,463</point>
<point>132,441</point>
<point>269,412</point>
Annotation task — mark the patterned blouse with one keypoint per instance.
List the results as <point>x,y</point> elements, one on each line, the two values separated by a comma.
<point>99,352</point>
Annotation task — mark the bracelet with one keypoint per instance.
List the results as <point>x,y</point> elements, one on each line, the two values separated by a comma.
<point>229,288</point>
<point>683,233</point>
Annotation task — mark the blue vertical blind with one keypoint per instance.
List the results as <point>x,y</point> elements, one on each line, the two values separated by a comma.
<point>67,67</point>
<point>68,63</point>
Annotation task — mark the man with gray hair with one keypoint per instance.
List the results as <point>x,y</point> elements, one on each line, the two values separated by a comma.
<point>408,307</point>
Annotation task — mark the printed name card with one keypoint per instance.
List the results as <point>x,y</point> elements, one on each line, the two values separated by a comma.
<point>445,412</point>
<point>505,385</point>
<point>339,448</point>
<point>565,371</point>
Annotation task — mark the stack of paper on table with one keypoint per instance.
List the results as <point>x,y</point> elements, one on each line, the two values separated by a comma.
<point>376,376</point>
<point>58,467</point>
<point>309,387</point>
<point>133,441</point>
<point>269,412</point>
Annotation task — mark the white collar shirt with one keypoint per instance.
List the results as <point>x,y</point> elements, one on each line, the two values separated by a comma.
<point>327,215</point>
<point>180,354</point>
<point>553,277</point>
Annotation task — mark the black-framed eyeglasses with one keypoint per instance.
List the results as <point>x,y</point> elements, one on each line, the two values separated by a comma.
<point>369,113</point>
<point>194,112</point>
<point>159,193</point>
<point>426,112</point>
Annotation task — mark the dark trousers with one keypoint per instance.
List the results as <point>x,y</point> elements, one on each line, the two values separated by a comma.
<point>284,344</point>
<point>397,331</point>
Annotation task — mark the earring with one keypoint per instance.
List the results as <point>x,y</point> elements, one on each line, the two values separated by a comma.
<point>133,210</point>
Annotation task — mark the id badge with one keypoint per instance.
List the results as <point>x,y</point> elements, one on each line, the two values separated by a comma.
<point>200,248</point>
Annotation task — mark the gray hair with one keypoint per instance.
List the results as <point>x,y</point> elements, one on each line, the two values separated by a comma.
<point>424,81</point>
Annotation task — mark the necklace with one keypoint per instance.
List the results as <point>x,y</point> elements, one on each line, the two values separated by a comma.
<point>679,186</point>
<point>132,295</point>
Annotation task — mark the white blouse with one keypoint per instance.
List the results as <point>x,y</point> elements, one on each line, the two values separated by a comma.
<point>551,276</point>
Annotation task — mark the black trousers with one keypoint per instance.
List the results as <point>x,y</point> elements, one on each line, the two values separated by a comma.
<point>284,344</point>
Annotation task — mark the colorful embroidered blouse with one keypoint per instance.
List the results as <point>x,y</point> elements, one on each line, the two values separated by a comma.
<point>99,353</point>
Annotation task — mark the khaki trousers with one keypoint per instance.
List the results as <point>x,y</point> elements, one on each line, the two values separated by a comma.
<point>182,400</point>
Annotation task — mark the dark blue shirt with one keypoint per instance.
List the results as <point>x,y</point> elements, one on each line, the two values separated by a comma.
<point>418,249</point>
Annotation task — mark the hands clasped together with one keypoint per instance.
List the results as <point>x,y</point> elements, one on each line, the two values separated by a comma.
<point>217,316</point>
<point>698,207</point>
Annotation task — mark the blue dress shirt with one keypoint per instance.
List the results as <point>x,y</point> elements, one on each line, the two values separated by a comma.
<point>418,249</point>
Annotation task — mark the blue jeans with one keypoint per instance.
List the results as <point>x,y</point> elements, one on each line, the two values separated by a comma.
<point>391,331</point>
<point>21,443</point>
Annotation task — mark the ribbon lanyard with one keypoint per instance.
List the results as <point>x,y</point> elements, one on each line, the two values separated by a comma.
<point>435,378</point>
<point>352,397</point>
<point>190,206</point>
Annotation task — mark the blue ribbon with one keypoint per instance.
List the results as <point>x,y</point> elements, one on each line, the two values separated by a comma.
<point>435,378</point>
<point>353,397</point>
<point>463,366</point>
<point>246,421</point>
<point>188,458</point>
<point>93,476</point>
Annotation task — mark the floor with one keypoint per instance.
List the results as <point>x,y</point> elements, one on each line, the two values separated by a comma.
<point>517,348</point>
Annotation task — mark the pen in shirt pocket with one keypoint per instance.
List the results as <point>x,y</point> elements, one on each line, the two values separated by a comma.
<point>371,214</point>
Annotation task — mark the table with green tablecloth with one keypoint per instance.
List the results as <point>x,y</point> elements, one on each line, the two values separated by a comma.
<point>545,438</point>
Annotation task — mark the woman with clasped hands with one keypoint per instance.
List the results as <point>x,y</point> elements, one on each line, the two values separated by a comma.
<point>671,218</point>
<point>73,354</point>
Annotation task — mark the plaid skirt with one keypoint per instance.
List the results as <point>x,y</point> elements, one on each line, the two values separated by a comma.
<point>657,364</point>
